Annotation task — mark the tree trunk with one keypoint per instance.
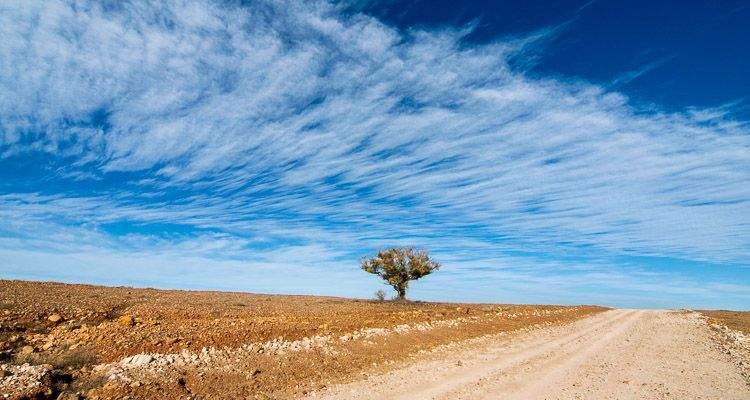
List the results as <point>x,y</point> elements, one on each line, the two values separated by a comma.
<point>401,289</point>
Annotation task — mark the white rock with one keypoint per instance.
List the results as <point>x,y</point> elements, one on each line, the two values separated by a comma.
<point>140,359</point>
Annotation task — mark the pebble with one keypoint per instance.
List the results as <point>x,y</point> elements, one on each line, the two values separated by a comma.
<point>126,320</point>
<point>54,318</point>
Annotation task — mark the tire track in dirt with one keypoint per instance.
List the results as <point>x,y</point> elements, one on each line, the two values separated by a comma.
<point>546,369</point>
<point>500,361</point>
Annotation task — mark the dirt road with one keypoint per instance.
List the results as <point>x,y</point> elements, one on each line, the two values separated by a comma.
<point>619,354</point>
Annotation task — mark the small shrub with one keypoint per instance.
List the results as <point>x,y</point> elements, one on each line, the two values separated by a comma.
<point>75,359</point>
<point>380,295</point>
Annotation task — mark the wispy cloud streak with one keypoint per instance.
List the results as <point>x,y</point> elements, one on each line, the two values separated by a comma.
<point>284,124</point>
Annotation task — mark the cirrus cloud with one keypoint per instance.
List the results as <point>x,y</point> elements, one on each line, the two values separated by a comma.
<point>297,124</point>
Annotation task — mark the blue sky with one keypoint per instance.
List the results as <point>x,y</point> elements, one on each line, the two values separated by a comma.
<point>572,152</point>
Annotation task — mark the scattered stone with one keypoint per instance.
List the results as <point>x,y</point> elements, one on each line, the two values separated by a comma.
<point>26,381</point>
<point>69,396</point>
<point>126,320</point>
<point>139,359</point>
<point>54,318</point>
<point>26,350</point>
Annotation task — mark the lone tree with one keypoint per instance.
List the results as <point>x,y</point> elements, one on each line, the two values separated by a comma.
<point>399,265</point>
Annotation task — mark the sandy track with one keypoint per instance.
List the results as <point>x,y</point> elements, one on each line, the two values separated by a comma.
<point>619,354</point>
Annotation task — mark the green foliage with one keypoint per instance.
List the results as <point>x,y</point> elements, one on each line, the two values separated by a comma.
<point>399,265</point>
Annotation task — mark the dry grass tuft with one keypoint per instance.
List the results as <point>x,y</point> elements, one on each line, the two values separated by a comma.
<point>68,359</point>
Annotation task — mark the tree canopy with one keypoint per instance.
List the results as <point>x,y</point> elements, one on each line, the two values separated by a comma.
<point>399,265</point>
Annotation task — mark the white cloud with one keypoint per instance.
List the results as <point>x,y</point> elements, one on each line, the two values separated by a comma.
<point>292,120</point>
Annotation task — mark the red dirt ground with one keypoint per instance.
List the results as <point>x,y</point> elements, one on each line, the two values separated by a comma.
<point>102,325</point>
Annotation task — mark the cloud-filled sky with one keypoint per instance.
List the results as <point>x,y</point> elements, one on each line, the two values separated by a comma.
<point>268,146</point>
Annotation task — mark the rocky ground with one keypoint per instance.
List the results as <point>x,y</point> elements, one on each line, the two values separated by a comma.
<point>79,341</point>
<point>731,331</point>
